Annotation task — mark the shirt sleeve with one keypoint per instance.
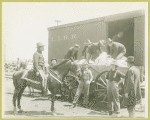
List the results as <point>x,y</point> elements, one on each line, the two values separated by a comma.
<point>91,76</point>
<point>76,55</point>
<point>115,51</point>
<point>122,52</point>
<point>130,81</point>
<point>35,61</point>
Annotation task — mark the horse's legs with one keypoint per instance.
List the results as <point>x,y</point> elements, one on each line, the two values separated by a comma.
<point>15,96</point>
<point>19,97</point>
<point>52,103</point>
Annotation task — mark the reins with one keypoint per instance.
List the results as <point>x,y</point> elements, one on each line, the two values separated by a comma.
<point>55,76</point>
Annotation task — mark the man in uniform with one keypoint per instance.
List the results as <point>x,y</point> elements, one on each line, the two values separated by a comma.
<point>84,83</point>
<point>39,66</point>
<point>132,90</point>
<point>87,43</point>
<point>116,50</point>
<point>117,38</point>
<point>94,50</point>
<point>72,52</point>
<point>114,79</point>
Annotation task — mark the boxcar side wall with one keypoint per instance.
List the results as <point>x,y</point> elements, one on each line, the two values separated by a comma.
<point>139,40</point>
<point>60,40</point>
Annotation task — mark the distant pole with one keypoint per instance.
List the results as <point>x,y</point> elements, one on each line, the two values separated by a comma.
<point>57,21</point>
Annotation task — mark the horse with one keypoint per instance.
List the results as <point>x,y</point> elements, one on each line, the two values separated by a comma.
<point>53,84</point>
<point>21,65</point>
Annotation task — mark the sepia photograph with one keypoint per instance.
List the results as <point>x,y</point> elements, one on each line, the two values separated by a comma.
<point>74,60</point>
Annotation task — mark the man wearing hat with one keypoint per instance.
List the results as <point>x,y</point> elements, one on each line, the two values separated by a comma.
<point>72,52</point>
<point>85,79</point>
<point>39,66</point>
<point>132,90</point>
<point>53,62</point>
<point>114,77</point>
<point>87,43</point>
<point>117,50</point>
<point>94,50</point>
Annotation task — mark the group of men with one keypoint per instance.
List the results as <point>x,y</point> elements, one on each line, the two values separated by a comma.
<point>92,51</point>
<point>132,91</point>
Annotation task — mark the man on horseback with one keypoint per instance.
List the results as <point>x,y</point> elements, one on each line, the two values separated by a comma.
<point>39,66</point>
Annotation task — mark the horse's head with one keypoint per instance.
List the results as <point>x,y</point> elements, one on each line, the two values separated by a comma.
<point>75,68</point>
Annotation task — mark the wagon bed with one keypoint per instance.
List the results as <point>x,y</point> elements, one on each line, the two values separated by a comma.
<point>98,86</point>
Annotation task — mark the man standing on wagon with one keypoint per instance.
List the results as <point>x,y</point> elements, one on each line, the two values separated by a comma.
<point>114,79</point>
<point>72,53</point>
<point>87,43</point>
<point>94,50</point>
<point>132,90</point>
<point>116,50</point>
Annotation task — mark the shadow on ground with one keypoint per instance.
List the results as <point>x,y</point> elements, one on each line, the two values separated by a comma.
<point>31,113</point>
<point>27,95</point>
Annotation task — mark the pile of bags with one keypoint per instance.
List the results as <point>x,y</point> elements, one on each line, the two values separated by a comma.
<point>105,59</point>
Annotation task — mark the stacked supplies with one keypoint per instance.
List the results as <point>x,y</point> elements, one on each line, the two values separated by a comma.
<point>105,60</point>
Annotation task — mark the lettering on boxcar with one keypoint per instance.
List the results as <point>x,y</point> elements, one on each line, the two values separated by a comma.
<point>66,37</point>
<point>73,36</point>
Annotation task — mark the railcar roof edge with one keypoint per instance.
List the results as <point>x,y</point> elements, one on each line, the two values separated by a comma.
<point>109,18</point>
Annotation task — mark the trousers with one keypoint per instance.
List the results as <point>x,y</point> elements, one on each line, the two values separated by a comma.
<point>113,96</point>
<point>131,111</point>
<point>44,81</point>
<point>83,86</point>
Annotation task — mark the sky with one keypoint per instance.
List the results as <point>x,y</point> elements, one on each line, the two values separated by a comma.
<point>25,23</point>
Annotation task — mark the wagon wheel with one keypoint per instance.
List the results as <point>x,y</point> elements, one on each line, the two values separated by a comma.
<point>101,87</point>
<point>69,88</point>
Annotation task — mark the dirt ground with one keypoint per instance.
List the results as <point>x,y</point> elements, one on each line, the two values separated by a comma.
<point>37,106</point>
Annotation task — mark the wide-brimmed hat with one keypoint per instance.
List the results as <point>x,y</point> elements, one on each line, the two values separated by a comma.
<point>87,42</point>
<point>39,44</point>
<point>76,45</point>
<point>130,59</point>
<point>108,40</point>
<point>102,42</point>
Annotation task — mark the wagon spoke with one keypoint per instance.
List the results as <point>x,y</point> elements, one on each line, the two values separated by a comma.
<point>102,81</point>
<point>100,85</point>
<point>101,95</point>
